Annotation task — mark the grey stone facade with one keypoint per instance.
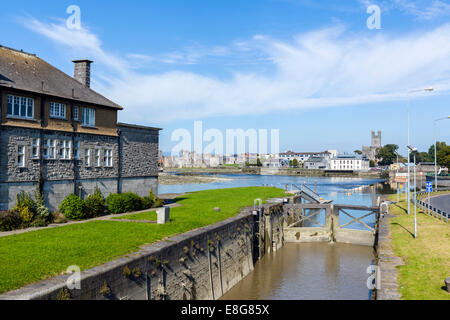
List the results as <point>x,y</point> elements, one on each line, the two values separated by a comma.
<point>134,164</point>
<point>56,131</point>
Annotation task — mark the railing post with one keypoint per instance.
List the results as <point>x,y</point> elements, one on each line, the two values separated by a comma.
<point>335,221</point>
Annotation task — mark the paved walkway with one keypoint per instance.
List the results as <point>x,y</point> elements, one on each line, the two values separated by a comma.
<point>387,262</point>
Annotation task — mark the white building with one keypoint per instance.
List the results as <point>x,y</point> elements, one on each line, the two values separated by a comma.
<point>304,156</point>
<point>349,163</point>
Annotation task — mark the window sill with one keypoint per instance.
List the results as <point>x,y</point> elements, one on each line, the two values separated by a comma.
<point>21,118</point>
<point>58,118</point>
<point>89,127</point>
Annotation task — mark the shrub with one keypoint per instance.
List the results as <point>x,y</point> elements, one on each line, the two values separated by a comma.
<point>95,204</point>
<point>39,222</point>
<point>147,203</point>
<point>58,218</point>
<point>156,202</point>
<point>23,200</point>
<point>27,216</point>
<point>132,202</point>
<point>10,220</point>
<point>73,207</point>
<point>115,203</point>
<point>41,210</point>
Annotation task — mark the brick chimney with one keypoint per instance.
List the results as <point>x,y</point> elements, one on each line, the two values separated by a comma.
<point>82,72</point>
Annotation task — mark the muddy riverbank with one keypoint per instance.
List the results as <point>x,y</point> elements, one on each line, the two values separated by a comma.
<point>177,179</point>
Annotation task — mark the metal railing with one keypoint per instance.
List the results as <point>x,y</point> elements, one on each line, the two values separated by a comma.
<point>428,208</point>
<point>343,209</point>
<point>310,193</point>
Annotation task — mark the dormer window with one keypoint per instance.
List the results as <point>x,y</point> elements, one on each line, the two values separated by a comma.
<point>57,110</point>
<point>20,107</point>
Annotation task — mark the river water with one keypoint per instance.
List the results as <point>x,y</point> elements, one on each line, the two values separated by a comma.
<point>306,271</point>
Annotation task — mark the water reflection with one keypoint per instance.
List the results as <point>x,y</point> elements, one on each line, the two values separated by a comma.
<point>308,271</point>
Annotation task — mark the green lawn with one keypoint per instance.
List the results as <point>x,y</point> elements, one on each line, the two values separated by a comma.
<point>427,258</point>
<point>150,216</point>
<point>36,255</point>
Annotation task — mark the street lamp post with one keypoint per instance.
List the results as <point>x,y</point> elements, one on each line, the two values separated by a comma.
<point>396,176</point>
<point>414,150</point>
<point>409,118</point>
<point>435,150</point>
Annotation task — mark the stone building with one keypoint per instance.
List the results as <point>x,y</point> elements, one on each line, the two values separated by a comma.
<point>371,152</point>
<point>56,131</point>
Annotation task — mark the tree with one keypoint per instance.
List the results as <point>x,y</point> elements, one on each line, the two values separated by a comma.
<point>387,154</point>
<point>439,145</point>
<point>420,157</point>
<point>443,157</point>
<point>258,162</point>
<point>358,152</point>
<point>372,164</point>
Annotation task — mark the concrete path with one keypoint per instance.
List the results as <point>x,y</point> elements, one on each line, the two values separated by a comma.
<point>387,261</point>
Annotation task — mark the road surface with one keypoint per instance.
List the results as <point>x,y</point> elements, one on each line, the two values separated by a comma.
<point>441,202</point>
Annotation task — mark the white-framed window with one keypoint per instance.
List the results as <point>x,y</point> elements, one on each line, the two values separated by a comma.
<point>87,157</point>
<point>21,156</point>
<point>88,117</point>
<point>97,157</point>
<point>76,150</point>
<point>57,110</point>
<point>76,113</point>
<point>49,149</point>
<point>107,158</point>
<point>65,147</point>
<point>35,153</point>
<point>20,107</point>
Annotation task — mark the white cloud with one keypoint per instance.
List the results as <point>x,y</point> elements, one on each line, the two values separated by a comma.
<point>424,9</point>
<point>323,68</point>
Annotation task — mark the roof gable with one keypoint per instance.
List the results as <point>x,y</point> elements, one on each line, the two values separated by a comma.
<point>24,71</point>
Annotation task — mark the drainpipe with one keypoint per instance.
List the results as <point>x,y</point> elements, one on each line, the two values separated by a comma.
<point>41,152</point>
<point>119,160</point>
<point>74,160</point>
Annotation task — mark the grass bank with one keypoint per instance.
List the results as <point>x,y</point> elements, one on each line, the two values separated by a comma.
<point>36,255</point>
<point>427,258</point>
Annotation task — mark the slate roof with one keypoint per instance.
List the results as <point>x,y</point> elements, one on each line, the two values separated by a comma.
<point>315,159</point>
<point>24,71</point>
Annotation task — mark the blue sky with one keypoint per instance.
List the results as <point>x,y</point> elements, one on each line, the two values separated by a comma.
<point>311,69</point>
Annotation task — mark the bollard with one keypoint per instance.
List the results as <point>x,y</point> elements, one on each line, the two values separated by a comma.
<point>163,215</point>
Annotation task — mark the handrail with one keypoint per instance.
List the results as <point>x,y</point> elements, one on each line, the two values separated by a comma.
<point>304,188</point>
<point>438,211</point>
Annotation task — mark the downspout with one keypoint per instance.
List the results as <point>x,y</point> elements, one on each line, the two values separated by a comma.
<point>119,160</point>
<point>41,180</point>
<point>74,160</point>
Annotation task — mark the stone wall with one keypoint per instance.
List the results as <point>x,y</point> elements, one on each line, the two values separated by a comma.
<point>134,164</point>
<point>139,151</point>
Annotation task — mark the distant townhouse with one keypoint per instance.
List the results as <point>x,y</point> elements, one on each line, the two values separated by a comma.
<point>303,156</point>
<point>56,131</point>
<point>316,163</point>
<point>349,163</point>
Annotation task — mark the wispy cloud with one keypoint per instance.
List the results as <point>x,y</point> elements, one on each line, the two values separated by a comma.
<point>322,68</point>
<point>425,9</point>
